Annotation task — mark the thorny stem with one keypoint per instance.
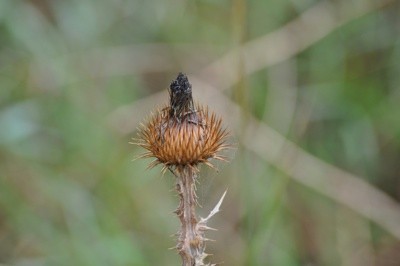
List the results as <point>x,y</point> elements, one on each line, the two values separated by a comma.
<point>191,237</point>
<point>182,136</point>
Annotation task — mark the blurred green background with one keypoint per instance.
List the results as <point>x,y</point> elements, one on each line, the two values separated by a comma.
<point>77,77</point>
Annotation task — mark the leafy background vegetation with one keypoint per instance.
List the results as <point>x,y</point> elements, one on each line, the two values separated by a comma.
<point>77,77</point>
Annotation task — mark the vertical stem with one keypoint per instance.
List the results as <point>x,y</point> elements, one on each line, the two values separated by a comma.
<point>190,239</point>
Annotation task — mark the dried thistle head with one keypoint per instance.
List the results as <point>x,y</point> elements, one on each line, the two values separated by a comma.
<point>182,134</point>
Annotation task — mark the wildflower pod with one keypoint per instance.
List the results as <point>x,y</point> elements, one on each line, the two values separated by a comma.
<point>183,134</point>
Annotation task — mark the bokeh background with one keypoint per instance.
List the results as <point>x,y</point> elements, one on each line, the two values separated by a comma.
<point>309,89</point>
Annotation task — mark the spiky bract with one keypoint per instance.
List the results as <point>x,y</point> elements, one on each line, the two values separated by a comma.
<point>195,138</point>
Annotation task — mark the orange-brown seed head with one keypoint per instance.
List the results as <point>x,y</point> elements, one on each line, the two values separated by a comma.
<point>190,141</point>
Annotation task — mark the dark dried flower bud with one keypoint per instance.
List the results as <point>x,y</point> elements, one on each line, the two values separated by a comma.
<point>182,134</point>
<point>180,94</point>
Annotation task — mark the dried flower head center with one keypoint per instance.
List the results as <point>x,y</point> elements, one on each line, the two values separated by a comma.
<point>182,142</point>
<point>183,133</point>
<point>181,101</point>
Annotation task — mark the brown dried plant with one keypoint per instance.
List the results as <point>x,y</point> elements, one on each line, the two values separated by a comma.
<point>181,136</point>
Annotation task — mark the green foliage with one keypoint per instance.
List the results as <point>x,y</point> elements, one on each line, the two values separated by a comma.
<point>69,193</point>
